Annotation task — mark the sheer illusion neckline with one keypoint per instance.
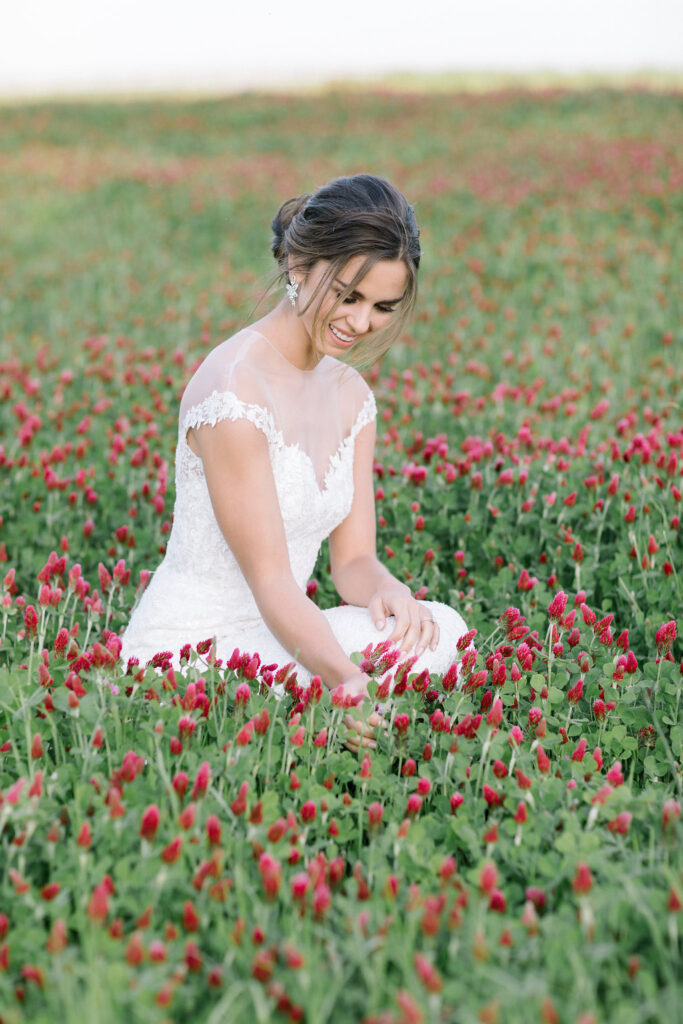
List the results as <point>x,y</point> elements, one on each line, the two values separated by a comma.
<point>290,364</point>
<point>211,408</point>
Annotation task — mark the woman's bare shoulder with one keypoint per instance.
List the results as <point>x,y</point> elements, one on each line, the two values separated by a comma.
<point>347,378</point>
<point>236,365</point>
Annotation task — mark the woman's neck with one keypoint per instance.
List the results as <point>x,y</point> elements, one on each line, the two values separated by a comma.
<point>286,332</point>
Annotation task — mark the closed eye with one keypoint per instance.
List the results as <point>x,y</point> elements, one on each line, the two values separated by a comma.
<point>383,307</point>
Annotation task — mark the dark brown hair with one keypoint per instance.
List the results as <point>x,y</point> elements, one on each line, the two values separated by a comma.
<point>357,216</point>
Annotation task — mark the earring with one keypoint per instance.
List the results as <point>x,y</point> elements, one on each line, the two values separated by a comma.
<point>292,290</point>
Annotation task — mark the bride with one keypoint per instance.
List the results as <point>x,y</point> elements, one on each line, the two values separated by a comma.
<point>275,453</point>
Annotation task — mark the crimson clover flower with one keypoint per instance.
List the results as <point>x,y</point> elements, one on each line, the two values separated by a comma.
<point>665,636</point>
<point>150,822</point>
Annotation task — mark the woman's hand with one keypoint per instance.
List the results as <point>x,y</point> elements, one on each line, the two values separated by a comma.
<point>414,626</point>
<point>355,686</point>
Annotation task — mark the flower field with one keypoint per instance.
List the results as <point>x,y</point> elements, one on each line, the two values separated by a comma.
<point>185,847</point>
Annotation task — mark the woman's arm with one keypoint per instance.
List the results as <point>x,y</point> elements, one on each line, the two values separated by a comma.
<point>357,573</point>
<point>244,499</point>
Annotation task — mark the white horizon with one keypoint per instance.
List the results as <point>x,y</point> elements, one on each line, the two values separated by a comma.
<point>77,47</point>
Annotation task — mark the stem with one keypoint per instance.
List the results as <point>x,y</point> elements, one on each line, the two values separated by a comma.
<point>334,726</point>
<point>88,627</point>
<point>107,613</point>
<point>25,710</point>
<point>447,764</point>
<point>161,766</point>
<point>361,808</point>
<point>659,675</point>
<point>483,761</point>
<point>309,738</point>
<point>56,742</point>
<point>271,729</point>
<point>550,656</point>
<point>660,732</point>
<point>601,527</point>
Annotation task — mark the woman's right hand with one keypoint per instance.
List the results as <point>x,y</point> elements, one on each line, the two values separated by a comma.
<point>363,730</point>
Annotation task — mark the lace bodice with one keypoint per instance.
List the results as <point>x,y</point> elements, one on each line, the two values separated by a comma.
<point>310,511</point>
<point>311,421</point>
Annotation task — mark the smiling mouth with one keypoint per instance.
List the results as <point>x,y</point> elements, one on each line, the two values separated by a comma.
<point>346,339</point>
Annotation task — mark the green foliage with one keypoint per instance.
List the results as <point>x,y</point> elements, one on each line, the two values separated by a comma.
<point>514,854</point>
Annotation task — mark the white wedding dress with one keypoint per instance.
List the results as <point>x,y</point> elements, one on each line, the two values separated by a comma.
<point>311,420</point>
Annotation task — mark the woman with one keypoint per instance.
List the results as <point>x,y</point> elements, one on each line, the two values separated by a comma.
<point>275,453</point>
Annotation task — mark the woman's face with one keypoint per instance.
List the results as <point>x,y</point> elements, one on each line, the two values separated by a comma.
<point>366,310</point>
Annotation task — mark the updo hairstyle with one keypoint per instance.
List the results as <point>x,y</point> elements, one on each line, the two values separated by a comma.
<point>356,216</point>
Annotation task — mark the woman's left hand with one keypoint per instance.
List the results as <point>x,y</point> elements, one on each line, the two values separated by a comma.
<point>361,732</point>
<point>414,626</point>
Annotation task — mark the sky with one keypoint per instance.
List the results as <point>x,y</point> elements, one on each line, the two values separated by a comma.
<point>81,46</point>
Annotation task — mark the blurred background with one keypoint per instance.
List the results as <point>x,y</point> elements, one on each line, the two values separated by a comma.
<point>133,46</point>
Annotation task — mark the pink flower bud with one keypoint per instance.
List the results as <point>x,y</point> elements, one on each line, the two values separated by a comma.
<point>150,822</point>
<point>30,620</point>
<point>308,811</point>
<point>261,722</point>
<point>557,606</point>
<point>583,879</point>
<point>271,875</point>
<point>49,891</point>
<point>673,904</point>
<point>671,812</point>
<point>488,877</point>
<point>621,824</point>
<point>521,813</point>
<point>187,816</point>
<point>414,805</point>
<point>171,853</point>
<point>580,750</point>
<point>515,736</point>
<point>664,637</point>
<point>84,838</point>
<point>190,917</point>
<point>575,692</point>
<point>242,694</point>
<point>497,901</point>
<point>599,709</point>
<point>239,804</point>
<point>202,781</point>
<point>542,760</point>
<point>375,814</point>
<point>98,904</point>
<point>495,715</point>
<point>455,801</point>
<point>243,737</point>
<point>401,724</point>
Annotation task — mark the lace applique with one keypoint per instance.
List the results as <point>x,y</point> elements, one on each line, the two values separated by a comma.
<point>365,416</point>
<point>222,405</point>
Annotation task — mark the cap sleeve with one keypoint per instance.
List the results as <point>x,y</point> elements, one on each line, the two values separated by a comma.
<point>367,414</point>
<point>225,405</point>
